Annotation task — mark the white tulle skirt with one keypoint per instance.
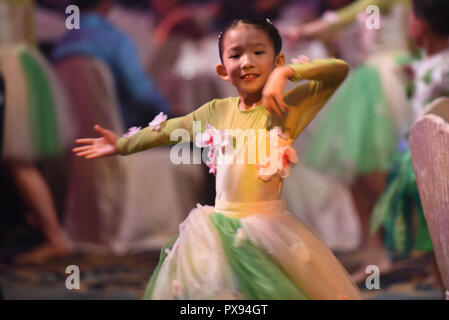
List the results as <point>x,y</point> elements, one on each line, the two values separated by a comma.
<point>253,250</point>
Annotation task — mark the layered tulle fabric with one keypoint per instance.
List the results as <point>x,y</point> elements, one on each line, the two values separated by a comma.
<point>363,123</point>
<point>194,267</point>
<point>37,123</point>
<point>324,204</point>
<point>267,254</point>
<point>357,133</point>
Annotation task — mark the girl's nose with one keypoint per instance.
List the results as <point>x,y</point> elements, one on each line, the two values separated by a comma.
<point>246,62</point>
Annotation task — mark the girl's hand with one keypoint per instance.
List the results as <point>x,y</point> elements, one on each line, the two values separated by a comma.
<point>274,88</point>
<point>98,147</point>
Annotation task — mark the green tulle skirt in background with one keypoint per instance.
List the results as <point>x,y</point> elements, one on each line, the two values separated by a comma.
<point>357,133</point>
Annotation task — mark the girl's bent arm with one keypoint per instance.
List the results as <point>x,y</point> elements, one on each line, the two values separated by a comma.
<point>329,72</point>
<point>307,99</point>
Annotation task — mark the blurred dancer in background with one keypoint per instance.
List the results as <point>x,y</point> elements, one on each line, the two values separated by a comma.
<point>36,125</point>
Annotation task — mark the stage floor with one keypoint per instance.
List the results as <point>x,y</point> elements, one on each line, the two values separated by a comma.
<point>125,277</point>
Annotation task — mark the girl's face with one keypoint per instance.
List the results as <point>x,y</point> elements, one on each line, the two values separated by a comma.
<point>248,58</point>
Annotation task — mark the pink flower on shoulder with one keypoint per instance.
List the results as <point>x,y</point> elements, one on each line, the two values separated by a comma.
<point>131,131</point>
<point>157,121</point>
<point>300,59</point>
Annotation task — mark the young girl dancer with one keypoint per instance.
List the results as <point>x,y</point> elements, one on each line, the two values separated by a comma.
<point>246,246</point>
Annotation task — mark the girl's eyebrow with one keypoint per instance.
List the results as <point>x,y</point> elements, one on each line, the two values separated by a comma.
<point>259,44</point>
<point>251,45</point>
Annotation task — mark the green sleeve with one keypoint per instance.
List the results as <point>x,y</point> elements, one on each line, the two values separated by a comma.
<point>329,72</point>
<point>147,138</point>
<point>304,101</point>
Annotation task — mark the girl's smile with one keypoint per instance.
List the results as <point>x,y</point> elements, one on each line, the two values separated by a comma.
<point>249,76</point>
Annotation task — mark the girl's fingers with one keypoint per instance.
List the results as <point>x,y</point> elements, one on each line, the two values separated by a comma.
<point>99,129</point>
<point>274,106</point>
<point>94,156</point>
<point>278,105</point>
<point>79,149</point>
<point>280,102</point>
<point>85,153</point>
<point>85,141</point>
<point>267,103</point>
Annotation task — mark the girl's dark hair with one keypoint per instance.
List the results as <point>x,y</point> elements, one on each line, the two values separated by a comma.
<point>263,24</point>
<point>435,13</point>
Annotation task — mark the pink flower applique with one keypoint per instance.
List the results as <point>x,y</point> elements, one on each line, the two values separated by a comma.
<point>286,159</point>
<point>216,141</point>
<point>300,59</point>
<point>131,131</point>
<point>157,121</point>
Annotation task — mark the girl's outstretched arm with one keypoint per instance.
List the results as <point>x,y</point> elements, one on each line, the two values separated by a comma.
<point>97,147</point>
<point>149,137</point>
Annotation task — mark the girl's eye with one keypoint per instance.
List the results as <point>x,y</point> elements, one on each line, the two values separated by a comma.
<point>235,56</point>
<point>259,52</point>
